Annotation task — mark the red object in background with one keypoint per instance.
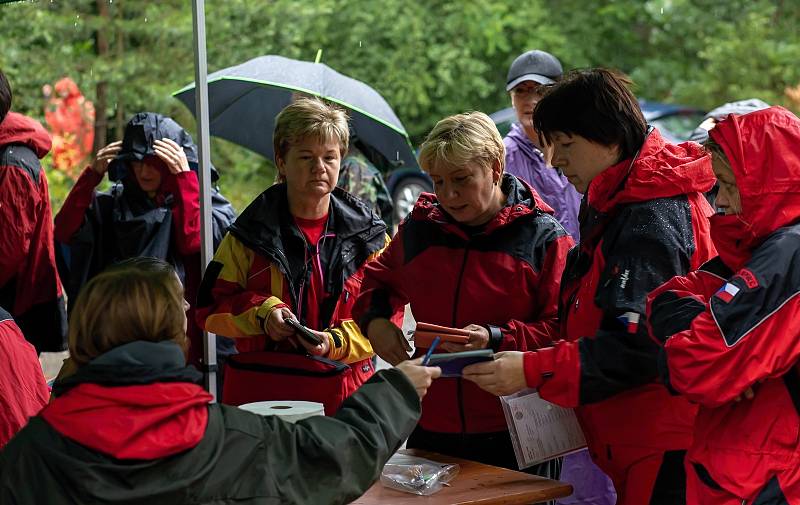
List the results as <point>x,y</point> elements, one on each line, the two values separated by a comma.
<point>70,119</point>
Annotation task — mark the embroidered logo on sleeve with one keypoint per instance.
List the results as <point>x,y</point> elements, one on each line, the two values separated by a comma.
<point>630,320</point>
<point>727,292</point>
<point>749,278</point>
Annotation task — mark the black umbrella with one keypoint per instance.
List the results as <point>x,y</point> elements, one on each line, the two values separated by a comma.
<point>244,100</point>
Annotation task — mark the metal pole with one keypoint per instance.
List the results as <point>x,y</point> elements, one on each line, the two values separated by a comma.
<point>204,148</point>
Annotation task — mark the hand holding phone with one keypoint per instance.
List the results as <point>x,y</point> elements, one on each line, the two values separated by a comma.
<point>303,332</point>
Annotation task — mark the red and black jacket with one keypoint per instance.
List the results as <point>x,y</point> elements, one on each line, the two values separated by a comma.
<point>21,379</point>
<point>735,323</point>
<point>645,220</point>
<point>506,275</point>
<point>27,254</point>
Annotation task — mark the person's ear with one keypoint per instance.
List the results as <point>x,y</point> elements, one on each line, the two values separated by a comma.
<point>280,164</point>
<point>497,171</point>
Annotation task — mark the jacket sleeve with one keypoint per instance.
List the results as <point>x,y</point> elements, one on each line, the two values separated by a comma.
<point>21,379</point>
<point>72,214</point>
<point>527,335</point>
<point>336,459</point>
<point>348,343</point>
<point>382,294</point>
<point>19,210</point>
<point>654,244</point>
<point>224,304</point>
<point>747,332</point>
<point>186,213</point>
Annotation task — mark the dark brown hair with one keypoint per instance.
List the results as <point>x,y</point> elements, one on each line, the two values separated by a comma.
<point>596,104</point>
<point>136,299</point>
<point>5,96</point>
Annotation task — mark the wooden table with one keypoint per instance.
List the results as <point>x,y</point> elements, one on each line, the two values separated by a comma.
<point>475,483</point>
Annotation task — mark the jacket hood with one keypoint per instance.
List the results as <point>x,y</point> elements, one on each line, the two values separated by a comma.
<point>19,129</point>
<point>137,143</point>
<point>660,170</point>
<point>521,200</point>
<point>762,149</point>
<point>133,402</point>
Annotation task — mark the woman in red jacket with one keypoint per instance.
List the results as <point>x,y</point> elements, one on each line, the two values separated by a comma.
<point>732,327</point>
<point>645,220</point>
<point>484,254</point>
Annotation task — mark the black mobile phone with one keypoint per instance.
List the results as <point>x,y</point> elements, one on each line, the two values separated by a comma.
<point>304,332</point>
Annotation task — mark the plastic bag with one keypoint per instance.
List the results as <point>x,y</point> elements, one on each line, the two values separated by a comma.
<point>416,475</point>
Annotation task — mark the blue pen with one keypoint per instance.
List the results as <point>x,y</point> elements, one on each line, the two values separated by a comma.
<point>430,351</point>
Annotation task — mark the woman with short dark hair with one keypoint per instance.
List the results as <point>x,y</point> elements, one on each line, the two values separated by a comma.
<point>645,219</point>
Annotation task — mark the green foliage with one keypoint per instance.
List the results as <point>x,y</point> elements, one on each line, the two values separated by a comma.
<point>428,58</point>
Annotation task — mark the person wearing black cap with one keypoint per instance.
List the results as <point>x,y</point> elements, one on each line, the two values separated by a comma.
<point>528,76</point>
<point>152,209</point>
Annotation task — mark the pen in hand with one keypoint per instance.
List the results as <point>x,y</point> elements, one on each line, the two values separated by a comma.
<point>430,351</point>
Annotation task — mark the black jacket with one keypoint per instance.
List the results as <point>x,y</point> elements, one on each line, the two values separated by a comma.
<point>242,458</point>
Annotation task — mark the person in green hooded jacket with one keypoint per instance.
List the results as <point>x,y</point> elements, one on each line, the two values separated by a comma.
<point>131,425</point>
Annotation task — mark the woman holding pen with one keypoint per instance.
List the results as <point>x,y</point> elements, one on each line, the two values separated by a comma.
<point>483,254</point>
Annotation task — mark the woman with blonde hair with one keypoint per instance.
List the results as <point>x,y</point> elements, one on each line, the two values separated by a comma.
<point>132,426</point>
<point>298,251</point>
<point>483,253</point>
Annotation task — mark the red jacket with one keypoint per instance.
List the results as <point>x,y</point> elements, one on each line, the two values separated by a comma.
<point>27,256</point>
<point>647,221</point>
<point>507,275</point>
<point>734,324</point>
<point>24,391</point>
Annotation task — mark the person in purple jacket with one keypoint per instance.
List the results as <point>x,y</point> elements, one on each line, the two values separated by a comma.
<point>528,75</point>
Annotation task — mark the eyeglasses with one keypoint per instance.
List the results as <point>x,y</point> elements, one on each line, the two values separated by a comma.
<point>529,90</point>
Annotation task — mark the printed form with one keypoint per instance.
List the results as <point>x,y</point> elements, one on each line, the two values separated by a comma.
<point>539,429</point>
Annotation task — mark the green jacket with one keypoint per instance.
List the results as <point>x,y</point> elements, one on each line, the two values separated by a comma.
<point>243,458</point>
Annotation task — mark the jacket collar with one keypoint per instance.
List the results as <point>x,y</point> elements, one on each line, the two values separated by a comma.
<point>267,223</point>
<point>139,362</point>
<point>520,138</point>
<point>521,200</point>
<point>658,170</point>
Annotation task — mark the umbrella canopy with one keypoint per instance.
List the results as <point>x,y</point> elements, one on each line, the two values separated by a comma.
<point>244,100</point>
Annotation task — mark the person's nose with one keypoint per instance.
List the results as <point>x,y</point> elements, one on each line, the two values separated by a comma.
<point>723,200</point>
<point>318,167</point>
<point>559,160</point>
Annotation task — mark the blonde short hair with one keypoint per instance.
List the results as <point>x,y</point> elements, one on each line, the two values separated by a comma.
<point>310,117</point>
<point>137,299</point>
<point>463,138</point>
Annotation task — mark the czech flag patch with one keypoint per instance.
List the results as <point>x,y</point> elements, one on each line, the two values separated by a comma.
<point>727,292</point>
<point>630,320</point>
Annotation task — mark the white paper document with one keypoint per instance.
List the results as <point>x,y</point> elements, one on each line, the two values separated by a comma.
<point>539,429</point>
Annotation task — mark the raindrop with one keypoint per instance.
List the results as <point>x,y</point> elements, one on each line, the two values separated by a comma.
<point>145,20</point>
<point>662,11</point>
<point>78,16</point>
<point>359,43</point>
<point>397,153</point>
<point>91,71</point>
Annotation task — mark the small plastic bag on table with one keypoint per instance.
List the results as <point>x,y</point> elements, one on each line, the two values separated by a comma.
<point>416,475</point>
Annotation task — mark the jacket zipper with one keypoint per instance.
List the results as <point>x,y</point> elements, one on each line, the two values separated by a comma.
<point>460,384</point>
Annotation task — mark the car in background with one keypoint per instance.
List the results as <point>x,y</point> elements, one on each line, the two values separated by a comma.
<point>675,122</point>
<point>405,184</point>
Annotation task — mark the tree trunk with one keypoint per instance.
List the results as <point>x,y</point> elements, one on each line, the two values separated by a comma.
<point>101,98</point>
<point>119,51</point>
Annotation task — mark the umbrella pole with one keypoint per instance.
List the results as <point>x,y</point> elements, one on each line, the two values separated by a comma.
<point>204,155</point>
